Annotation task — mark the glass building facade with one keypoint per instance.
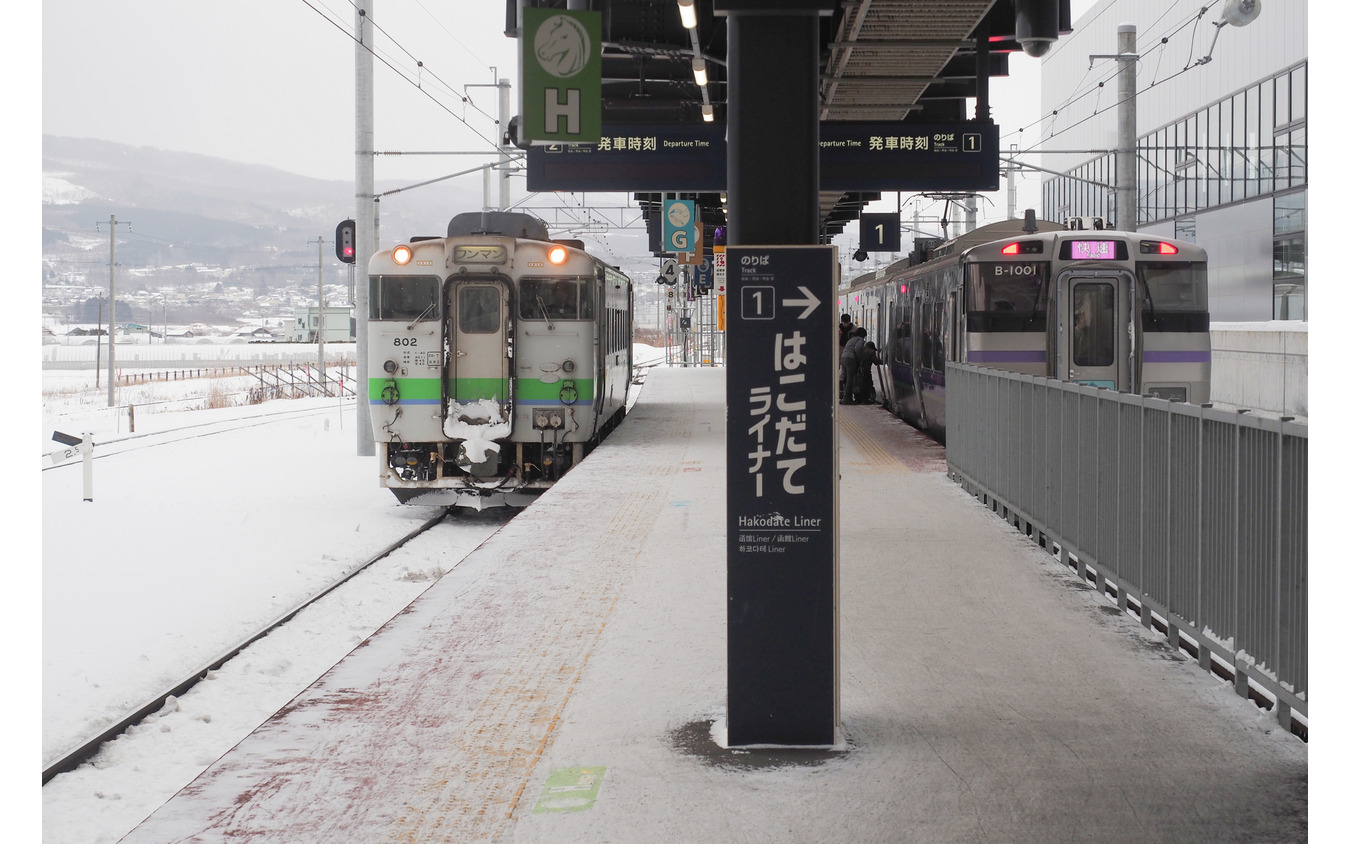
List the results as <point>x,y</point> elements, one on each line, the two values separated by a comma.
<point>1229,172</point>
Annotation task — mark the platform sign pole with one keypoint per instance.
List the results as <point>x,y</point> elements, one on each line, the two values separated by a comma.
<point>782,496</point>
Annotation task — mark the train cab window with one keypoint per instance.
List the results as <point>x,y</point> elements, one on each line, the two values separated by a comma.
<point>480,310</point>
<point>404,297</point>
<point>1006,296</point>
<point>556,299</point>
<point>1175,286</point>
<point>1175,296</point>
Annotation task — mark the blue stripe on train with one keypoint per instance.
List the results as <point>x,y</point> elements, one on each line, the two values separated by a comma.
<point>1013,356</point>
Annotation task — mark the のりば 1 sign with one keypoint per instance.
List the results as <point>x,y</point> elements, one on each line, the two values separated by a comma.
<point>782,494</point>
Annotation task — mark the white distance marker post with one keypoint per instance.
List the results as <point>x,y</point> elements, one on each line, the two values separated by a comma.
<point>76,445</point>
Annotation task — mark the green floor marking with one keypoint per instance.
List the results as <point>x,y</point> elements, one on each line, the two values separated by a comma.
<point>570,790</point>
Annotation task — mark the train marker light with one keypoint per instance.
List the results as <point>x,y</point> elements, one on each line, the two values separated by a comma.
<point>1157,247</point>
<point>402,255</point>
<point>1012,249</point>
<point>557,255</point>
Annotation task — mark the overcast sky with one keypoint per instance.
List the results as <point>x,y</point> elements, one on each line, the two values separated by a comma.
<point>272,82</point>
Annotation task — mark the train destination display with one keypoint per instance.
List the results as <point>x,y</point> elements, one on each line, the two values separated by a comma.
<point>782,495</point>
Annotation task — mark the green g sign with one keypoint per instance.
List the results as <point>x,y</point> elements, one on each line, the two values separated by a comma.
<point>560,66</point>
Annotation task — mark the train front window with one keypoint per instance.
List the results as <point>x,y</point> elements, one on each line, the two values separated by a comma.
<point>404,296</point>
<point>1094,324</point>
<point>480,310</point>
<point>556,299</point>
<point>1006,295</point>
<point>1175,286</point>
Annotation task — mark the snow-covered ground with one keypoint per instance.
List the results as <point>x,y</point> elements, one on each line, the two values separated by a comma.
<point>208,524</point>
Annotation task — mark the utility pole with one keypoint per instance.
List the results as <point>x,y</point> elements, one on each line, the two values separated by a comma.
<point>1127,145</point>
<point>367,233</point>
<point>112,304</point>
<point>503,144</point>
<point>503,166</point>
<point>323,376</point>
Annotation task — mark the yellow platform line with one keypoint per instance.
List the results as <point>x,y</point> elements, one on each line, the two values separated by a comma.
<point>877,459</point>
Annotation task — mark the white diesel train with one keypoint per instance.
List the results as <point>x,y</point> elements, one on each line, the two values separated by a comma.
<point>498,359</point>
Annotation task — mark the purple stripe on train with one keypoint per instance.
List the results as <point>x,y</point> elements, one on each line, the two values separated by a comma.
<point>1176,357</point>
<point>1015,356</point>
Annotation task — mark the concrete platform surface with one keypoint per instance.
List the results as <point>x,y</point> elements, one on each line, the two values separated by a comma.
<point>566,683</point>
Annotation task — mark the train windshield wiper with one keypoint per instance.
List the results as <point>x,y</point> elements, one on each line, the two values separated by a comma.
<point>1148,296</point>
<point>543,310</point>
<point>423,315</point>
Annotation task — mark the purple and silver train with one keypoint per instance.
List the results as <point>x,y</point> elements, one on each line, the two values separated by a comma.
<point>1120,310</point>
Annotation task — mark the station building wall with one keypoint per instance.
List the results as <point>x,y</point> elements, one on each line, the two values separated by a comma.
<point>1222,144</point>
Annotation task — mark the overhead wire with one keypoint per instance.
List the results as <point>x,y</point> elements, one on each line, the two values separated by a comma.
<point>463,95</point>
<point>1192,21</point>
<point>390,63</point>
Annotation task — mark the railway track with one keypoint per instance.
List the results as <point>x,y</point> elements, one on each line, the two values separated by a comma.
<point>132,442</point>
<point>74,757</point>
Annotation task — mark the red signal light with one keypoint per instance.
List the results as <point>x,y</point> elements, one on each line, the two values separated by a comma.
<point>1012,249</point>
<point>1167,249</point>
<point>346,241</point>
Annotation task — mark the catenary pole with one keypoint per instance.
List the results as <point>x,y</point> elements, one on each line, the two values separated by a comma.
<point>367,236</point>
<point>1127,168</point>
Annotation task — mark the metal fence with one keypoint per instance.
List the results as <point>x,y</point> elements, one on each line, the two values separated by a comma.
<point>1196,519</point>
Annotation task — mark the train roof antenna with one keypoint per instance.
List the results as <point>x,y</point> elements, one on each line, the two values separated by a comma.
<point>1029,226</point>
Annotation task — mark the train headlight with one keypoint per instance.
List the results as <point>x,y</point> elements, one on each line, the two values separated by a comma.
<point>557,255</point>
<point>568,366</point>
<point>402,255</point>
<point>390,366</point>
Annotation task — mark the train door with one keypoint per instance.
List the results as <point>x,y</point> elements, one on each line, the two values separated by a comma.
<point>1096,330</point>
<point>477,369</point>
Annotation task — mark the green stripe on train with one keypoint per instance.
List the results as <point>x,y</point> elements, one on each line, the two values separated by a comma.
<point>532,389</point>
<point>471,389</point>
<point>411,389</point>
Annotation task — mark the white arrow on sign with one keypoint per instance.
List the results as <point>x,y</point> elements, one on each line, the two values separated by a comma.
<point>810,302</point>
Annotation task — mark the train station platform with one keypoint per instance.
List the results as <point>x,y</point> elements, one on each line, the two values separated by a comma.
<point>567,683</point>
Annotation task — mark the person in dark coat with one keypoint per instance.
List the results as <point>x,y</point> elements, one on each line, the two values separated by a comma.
<point>845,329</point>
<point>848,359</point>
<point>864,388</point>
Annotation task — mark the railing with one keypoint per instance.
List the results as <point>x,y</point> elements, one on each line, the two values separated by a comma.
<point>1196,519</point>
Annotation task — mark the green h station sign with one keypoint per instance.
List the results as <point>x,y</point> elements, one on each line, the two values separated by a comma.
<point>560,72</point>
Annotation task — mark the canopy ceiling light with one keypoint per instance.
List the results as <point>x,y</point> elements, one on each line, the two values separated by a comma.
<point>687,15</point>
